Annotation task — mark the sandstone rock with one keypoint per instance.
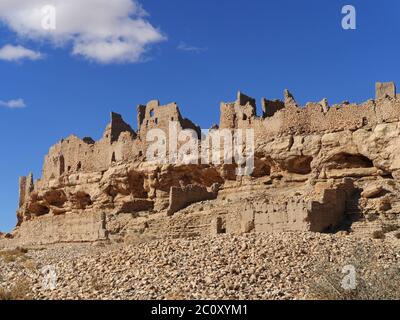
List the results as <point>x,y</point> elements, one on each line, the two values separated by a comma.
<point>372,191</point>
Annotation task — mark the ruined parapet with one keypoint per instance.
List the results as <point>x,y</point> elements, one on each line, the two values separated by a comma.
<point>243,100</point>
<point>385,89</point>
<point>320,117</point>
<point>238,114</point>
<point>25,188</point>
<point>118,125</point>
<point>73,155</point>
<point>289,99</point>
<point>148,117</point>
<point>68,156</point>
<point>324,105</point>
<point>269,107</point>
<point>154,116</point>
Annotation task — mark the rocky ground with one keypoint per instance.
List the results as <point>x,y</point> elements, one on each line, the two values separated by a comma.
<point>250,266</point>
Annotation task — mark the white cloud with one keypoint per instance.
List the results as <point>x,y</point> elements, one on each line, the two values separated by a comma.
<point>17,53</point>
<point>100,30</point>
<point>186,47</point>
<point>13,104</point>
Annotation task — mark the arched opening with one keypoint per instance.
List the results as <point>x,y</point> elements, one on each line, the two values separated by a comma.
<point>113,158</point>
<point>79,166</point>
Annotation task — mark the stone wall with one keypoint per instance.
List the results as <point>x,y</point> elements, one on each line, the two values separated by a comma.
<point>287,117</point>
<point>69,227</point>
<point>238,114</point>
<point>271,107</point>
<point>319,210</point>
<point>154,116</point>
<point>74,155</point>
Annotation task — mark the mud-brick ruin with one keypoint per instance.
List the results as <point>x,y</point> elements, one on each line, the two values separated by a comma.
<point>317,168</point>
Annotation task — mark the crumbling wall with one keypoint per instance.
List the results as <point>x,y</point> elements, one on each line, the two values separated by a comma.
<point>238,114</point>
<point>74,155</point>
<point>165,227</point>
<point>271,107</point>
<point>282,216</point>
<point>181,197</point>
<point>118,125</point>
<point>26,186</point>
<point>86,227</point>
<point>154,116</point>
<point>320,209</point>
<point>287,117</point>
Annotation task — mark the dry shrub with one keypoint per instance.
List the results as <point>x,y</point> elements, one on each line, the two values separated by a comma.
<point>96,283</point>
<point>21,290</point>
<point>30,265</point>
<point>378,234</point>
<point>373,282</point>
<point>13,255</point>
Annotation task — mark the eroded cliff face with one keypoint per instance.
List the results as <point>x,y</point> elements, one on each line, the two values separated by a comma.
<point>316,168</point>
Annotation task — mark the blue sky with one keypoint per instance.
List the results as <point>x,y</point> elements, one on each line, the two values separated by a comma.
<point>200,53</point>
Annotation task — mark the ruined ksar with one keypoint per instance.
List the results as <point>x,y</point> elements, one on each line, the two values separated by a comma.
<point>317,168</point>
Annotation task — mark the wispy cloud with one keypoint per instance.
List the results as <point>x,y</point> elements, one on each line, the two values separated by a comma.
<point>18,53</point>
<point>186,47</point>
<point>13,104</point>
<point>103,31</point>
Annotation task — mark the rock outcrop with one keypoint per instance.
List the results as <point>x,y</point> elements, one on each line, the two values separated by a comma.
<point>316,168</point>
